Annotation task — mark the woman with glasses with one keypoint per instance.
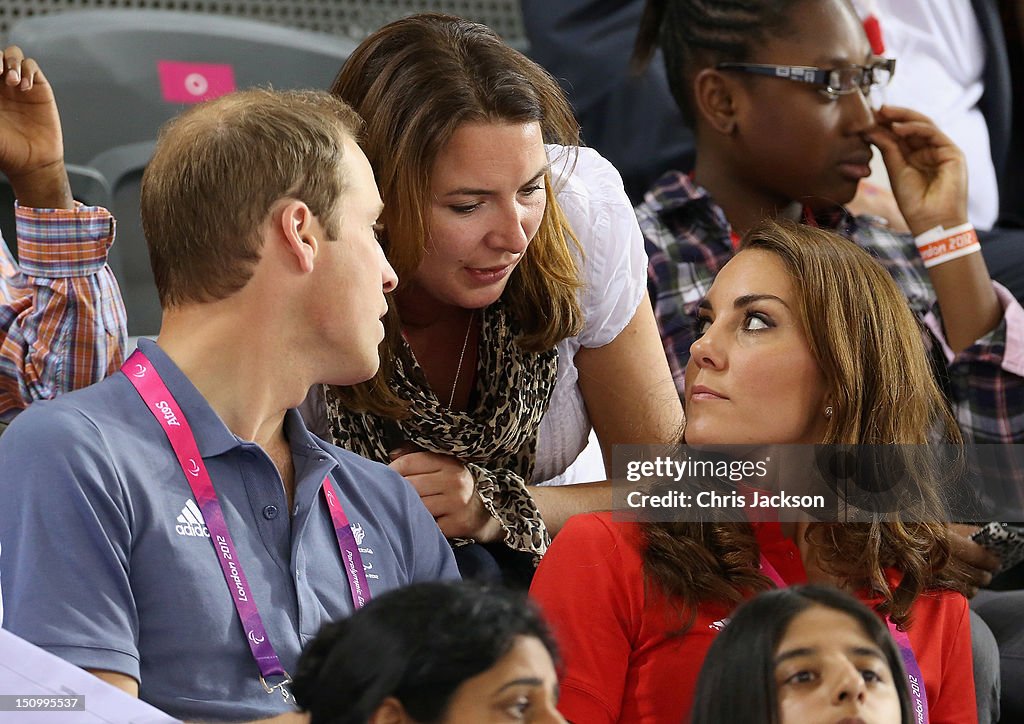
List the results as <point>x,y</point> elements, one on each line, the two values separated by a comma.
<point>786,147</point>
<point>869,79</point>
<point>779,94</point>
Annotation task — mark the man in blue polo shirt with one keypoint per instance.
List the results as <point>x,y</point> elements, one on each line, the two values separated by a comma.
<point>176,529</point>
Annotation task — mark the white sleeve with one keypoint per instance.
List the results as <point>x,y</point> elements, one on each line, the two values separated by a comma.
<point>614,265</point>
<point>614,275</point>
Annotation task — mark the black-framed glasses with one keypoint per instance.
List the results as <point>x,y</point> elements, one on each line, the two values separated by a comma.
<point>831,82</point>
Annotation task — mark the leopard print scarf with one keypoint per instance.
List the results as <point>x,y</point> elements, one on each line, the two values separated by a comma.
<point>497,441</point>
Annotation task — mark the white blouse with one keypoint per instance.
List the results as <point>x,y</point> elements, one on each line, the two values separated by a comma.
<point>614,275</point>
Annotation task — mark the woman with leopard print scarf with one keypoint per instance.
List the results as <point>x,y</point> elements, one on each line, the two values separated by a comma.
<point>521,318</point>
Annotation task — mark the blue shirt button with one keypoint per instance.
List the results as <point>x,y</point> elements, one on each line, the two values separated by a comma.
<point>270,512</point>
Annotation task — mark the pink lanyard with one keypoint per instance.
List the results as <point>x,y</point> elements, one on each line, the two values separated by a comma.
<point>146,380</point>
<point>915,681</point>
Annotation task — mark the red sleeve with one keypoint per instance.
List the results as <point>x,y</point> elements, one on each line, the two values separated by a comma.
<point>940,635</point>
<point>590,587</point>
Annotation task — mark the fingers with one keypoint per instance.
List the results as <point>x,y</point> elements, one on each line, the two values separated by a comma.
<point>973,554</point>
<point>469,521</point>
<point>977,578</point>
<point>447,490</point>
<point>408,462</point>
<point>978,562</point>
<point>13,58</point>
<point>913,136</point>
<point>456,484</point>
<point>429,484</point>
<point>434,474</point>
<point>889,114</point>
<point>19,71</point>
<point>886,141</point>
<point>965,530</point>
<point>920,134</point>
<point>438,505</point>
<point>918,140</point>
<point>441,498</point>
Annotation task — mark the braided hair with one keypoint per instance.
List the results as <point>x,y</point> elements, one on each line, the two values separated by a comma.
<point>695,34</point>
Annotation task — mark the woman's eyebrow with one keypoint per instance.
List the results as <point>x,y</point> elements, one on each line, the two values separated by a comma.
<point>866,651</point>
<point>811,650</point>
<point>743,301</point>
<point>537,176</point>
<point>795,654</point>
<point>466,191</point>
<point>747,299</point>
<point>526,681</point>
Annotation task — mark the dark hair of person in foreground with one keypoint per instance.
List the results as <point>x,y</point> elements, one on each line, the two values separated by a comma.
<point>411,649</point>
<point>737,682</point>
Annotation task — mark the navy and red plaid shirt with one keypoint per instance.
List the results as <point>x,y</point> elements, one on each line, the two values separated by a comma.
<point>688,240</point>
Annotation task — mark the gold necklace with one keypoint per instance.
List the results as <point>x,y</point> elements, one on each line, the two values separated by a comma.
<point>462,356</point>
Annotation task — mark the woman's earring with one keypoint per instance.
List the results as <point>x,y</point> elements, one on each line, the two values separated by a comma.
<point>828,412</point>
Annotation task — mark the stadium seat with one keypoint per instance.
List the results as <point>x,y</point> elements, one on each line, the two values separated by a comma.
<point>120,74</point>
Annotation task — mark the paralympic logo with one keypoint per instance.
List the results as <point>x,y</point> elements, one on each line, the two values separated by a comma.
<point>140,370</point>
<point>256,639</point>
<point>193,469</point>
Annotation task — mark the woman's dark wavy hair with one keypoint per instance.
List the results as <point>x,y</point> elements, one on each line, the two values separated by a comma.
<point>417,644</point>
<point>868,345</point>
<point>742,657</point>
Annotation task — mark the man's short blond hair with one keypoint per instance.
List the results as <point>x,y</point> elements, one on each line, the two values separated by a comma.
<point>217,171</point>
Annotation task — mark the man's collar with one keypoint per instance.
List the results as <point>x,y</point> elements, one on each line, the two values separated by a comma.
<point>212,436</point>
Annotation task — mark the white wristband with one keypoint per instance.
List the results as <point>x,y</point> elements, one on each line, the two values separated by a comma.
<point>939,245</point>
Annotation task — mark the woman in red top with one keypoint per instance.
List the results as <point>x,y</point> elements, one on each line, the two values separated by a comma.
<point>804,339</point>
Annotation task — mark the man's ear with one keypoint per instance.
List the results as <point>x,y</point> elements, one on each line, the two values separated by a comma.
<point>391,711</point>
<point>715,100</point>
<point>298,227</point>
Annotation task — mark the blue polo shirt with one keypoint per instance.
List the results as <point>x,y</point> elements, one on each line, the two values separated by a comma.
<point>107,562</point>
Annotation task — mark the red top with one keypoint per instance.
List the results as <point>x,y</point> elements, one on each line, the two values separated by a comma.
<point>623,665</point>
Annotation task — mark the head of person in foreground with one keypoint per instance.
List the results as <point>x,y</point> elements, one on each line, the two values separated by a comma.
<point>432,653</point>
<point>801,654</point>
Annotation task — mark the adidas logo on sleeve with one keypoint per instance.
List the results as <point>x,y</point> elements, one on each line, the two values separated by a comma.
<point>191,523</point>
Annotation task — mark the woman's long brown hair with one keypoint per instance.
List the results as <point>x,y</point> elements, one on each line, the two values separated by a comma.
<point>870,350</point>
<point>414,82</point>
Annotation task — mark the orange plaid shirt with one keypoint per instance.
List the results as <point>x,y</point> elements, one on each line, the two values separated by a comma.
<point>62,319</point>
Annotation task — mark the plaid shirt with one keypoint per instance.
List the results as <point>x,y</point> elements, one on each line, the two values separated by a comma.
<point>62,320</point>
<point>688,240</point>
